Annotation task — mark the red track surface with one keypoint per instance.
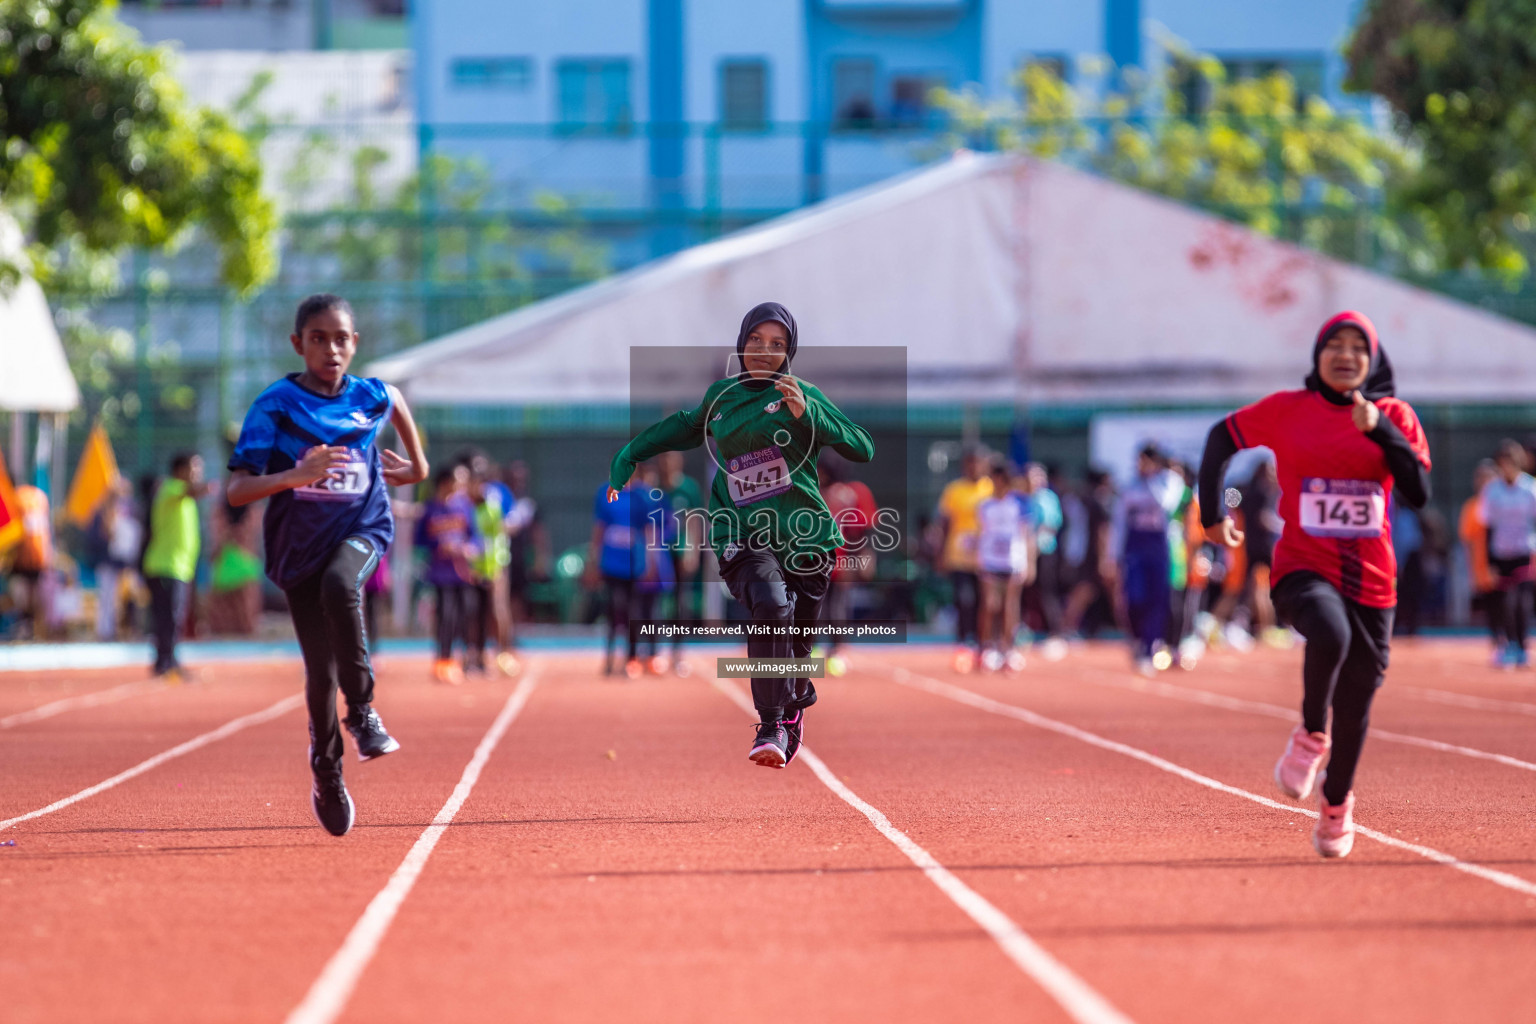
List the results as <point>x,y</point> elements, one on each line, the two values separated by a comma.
<point>619,858</point>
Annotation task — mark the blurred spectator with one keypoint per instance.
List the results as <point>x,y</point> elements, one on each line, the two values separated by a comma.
<point>1142,521</point>
<point>1090,600</point>
<point>32,562</point>
<point>112,544</point>
<point>658,578</point>
<point>1042,593</point>
<point>491,612</point>
<point>234,604</point>
<point>528,558</point>
<point>957,530</point>
<point>376,592</point>
<point>1473,533</point>
<point>853,508</point>
<point>1005,557</point>
<point>1508,509</point>
<point>617,557</point>
<point>683,496</point>
<point>170,560</point>
<point>1408,544</point>
<point>449,538</point>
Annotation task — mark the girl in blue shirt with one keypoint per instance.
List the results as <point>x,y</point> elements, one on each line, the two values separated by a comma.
<point>310,444</point>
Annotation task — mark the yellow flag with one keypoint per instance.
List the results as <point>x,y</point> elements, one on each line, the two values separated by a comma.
<point>10,510</point>
<point>96,473</point>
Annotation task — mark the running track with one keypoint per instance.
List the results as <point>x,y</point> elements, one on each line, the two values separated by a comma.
<point>1070,844</point>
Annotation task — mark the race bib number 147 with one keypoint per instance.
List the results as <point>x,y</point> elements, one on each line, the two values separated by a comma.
<point>1342,508</point>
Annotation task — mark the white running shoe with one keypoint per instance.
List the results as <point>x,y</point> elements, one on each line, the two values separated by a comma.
<point>1334,834</point>
<point>1054,649</point>
<point>992,659</point>
<point>1014,661</point>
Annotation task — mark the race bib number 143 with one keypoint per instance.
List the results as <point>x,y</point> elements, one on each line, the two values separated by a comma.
<point>1342,508</point>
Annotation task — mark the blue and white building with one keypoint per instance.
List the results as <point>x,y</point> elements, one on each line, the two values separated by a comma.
<point>730,107</point>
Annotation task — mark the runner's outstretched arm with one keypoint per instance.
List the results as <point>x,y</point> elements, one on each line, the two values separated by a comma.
<point>1219,449</point>
<point>1408,470</point>
<point>677,433</point>
<point>412,469</point>
<point>836,431</point>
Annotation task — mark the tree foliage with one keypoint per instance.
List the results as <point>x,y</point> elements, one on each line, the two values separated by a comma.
<point>1252,150</point>
<point>100,150</point>
<point>1461,74</point>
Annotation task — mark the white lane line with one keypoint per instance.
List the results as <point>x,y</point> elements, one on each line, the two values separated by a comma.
<point>111,695</point>
<point>328,996</point>
<point>1462,700</point>
<point>1081,1002</point>
<point>1193,695</point>
<point>976,700</point>
<point>213,736</point>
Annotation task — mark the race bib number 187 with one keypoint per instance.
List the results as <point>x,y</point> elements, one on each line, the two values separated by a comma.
<point>1342,508</point>
<point>758,475</point>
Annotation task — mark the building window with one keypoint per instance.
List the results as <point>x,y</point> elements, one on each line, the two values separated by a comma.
<point>744,94</point>
<point>594,94</point>
<point>853,94</point>
<point>909,99</point>
<point>505,74</point>
<point>1057,64</point>
<point>1306,71</point>
<point>1192,86</point>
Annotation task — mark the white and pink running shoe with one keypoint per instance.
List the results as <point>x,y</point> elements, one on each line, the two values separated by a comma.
<point>1296,771</point>
<point>1334,834</point>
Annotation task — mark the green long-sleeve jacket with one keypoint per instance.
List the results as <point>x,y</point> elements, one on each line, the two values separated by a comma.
<point>766,487</point>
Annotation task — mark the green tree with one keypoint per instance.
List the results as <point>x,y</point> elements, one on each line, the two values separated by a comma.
<point>1461,76</point>
<point>100,151</point>
<point>1253,150</point>
<point>436,232</point>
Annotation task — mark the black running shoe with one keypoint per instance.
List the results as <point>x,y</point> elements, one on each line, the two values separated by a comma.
<point>770,746</point>
<point>367,729</point>
<point>333,804</point>
<point>794,730</point>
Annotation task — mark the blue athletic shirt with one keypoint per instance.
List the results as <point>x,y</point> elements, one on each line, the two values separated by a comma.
<point>624,522</point>
<point>304,526</point>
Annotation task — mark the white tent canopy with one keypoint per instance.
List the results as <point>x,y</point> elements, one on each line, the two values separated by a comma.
<point>34,375</point>
<point>1006,280</point>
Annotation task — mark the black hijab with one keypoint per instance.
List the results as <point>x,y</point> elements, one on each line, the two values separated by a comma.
<point>762,313</point>
<point>1378,378</point>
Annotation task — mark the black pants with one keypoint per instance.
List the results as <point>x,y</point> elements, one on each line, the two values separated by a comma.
<point>1513,575</point>
<point>1491,604</point>
<point>627,603</point>
<point>167,611</point>
<point>687,600</point>
<point>456,603</point>
<point>327,610</point>
<point>776,596</point>
<point>1042,598</point>
<point>1348,645</point>
<point>967,605</point>
<point>479,623</point>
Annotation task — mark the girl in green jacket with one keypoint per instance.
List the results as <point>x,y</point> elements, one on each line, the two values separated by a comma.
<point>774,537</point>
